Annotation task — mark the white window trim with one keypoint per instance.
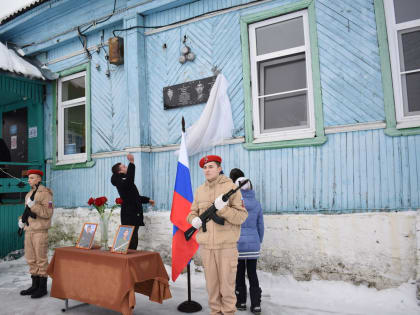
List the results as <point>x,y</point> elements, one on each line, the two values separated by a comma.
<point>63,159</point>
<point>392,30</point>
<point>283,134</point>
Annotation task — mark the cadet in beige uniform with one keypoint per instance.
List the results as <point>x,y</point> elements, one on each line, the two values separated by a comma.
<point>36,234</point>
<point>218,246</point>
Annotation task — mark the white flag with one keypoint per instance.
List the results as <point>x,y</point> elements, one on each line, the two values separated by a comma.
<point>215,123</point>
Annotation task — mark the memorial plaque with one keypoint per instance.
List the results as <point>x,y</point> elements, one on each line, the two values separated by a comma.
<point>188,93</point>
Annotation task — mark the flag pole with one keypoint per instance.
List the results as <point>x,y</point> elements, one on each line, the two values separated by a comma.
<point>188,306</point>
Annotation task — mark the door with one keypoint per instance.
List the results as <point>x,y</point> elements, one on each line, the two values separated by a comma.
<point>15,134</point>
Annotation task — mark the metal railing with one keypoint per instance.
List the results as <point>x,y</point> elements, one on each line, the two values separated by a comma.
<point>10,183</point>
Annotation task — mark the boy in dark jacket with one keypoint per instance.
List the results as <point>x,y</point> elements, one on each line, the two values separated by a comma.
<point>249,244</point>
<point>131,208</point>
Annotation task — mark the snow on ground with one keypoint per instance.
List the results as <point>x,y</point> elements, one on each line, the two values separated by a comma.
<point>281,295</point>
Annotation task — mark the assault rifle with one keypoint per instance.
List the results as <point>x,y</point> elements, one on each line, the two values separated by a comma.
<point>210,213</point>
<point>28,213</point>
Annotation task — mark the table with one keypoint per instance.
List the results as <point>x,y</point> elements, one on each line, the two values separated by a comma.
<point>108,279</point>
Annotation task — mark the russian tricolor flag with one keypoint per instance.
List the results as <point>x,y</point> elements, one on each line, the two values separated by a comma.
<point>182,250</point>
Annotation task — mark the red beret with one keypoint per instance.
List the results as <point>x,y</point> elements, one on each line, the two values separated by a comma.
<point>210,158</point>
<point>37,172</point>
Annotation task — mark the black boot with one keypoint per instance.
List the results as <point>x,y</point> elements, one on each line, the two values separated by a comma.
<point>42,288</point>
<point>240,298</point>
<point>255,293</point>
<point>33,288</point>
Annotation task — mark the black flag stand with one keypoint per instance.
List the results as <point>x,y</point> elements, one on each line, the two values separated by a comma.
<point>188,306</point>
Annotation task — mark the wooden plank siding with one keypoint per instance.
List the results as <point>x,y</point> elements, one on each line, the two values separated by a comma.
<point>351,172</point>
<point>109,96</point>
<point>216,42</point>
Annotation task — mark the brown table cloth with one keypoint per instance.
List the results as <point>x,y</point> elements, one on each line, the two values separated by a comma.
<point>108,279</point>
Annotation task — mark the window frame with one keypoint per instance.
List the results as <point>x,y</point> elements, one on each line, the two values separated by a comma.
<point>289,133</point>
<point>402,121</point>
<point>80,160</point>
<point>62,105</point>
<point>291,140</point>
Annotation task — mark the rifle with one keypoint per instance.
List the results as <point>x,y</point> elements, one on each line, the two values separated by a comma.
<point>210,213</point>
<point>28,213</point>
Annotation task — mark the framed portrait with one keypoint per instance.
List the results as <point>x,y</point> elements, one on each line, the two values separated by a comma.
<point>87,235</point>
<point>122,239</point>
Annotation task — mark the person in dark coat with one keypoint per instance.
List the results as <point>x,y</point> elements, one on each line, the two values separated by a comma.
<point>249,245</point>
<point>131,208</point>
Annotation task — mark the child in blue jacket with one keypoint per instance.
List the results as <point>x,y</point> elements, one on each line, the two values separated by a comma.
<point>249,244</point>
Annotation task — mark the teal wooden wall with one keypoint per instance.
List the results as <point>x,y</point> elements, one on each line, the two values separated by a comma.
<point>9,239</point>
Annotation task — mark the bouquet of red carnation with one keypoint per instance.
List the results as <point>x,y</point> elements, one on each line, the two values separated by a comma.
<point>100,204</point>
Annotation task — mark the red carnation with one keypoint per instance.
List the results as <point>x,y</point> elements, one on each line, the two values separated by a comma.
<point>91,201</point>
<point>104,200</point>
<point>98,202</point>
<point>118,201</point>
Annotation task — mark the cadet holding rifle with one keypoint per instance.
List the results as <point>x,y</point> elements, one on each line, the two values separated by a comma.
<point>27,213</point>
<point>210,213</point>
<point>218,245</point>
<point>37,216</point>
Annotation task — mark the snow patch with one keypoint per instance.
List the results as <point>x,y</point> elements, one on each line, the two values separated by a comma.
<point>280,295</point>
<point>10,61</point>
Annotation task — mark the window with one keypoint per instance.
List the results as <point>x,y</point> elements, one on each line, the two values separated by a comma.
<point>71,119</point>
<point>281,76</point>
<point>403,27</point>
